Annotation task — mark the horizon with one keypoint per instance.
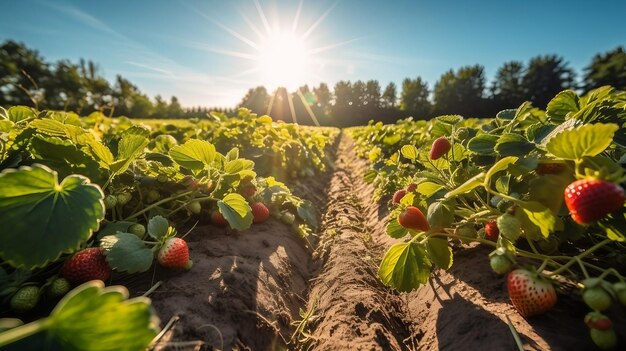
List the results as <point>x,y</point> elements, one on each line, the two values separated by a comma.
<point>210,54</point>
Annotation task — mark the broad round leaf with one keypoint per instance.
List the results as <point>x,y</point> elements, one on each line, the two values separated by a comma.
<point>236,211</point>
<point>92,317</point>
<point>41,218</point>
<point>194,154</point>
<point>404,267</point>
<point>125,252</point>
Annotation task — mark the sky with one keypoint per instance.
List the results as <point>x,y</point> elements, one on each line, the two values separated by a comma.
<point>209,53</point>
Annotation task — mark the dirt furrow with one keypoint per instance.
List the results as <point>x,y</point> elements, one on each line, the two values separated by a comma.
<point>348,307</point>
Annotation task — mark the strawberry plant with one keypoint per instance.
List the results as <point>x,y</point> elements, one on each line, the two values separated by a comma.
<point>545,186</point>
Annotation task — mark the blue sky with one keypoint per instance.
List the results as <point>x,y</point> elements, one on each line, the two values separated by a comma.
<point>203,51</point>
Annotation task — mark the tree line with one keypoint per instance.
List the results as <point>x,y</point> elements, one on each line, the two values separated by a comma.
<point>26,78</point>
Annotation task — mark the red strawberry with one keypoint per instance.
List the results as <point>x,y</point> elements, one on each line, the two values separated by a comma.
<point>259,212</point>
<point>550,168</point>
<point>218,219</point>
<point>398,196</point>
<point>174,254</point>
<point>597,320</point>
<point>491,230</point>
<point>413,218</point>
<point>530,294</point>
<point>411,187</point>
<point>589,200</point>
<point>85,265</point>
<point>440,147</point>
<point>248,191</point>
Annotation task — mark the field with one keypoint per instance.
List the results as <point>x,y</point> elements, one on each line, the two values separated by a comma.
<point>239,232</point>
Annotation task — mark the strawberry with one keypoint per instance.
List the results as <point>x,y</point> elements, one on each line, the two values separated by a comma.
<point>59,287</point>
<point>604,339</point>
<point>440,147</point>
<point>597,298</point>
<point>259,212</point>
<point>589,200</point>
<point>530,294</point>
<point>248,191</point>
<point>397,196</point>
<point>194,207</point>
<point>620,292</point>
<point>413,218</point>
<point>500,264</point>
<point>597,320</point>
<point>218,219</point>
<point>550,168</point>
<point>85,265</point>
<point>288,218</point>
<point>509,226</point>
<point>123,198</point>
<point>411,187</point>
<point>491,230</point>
<point>137,229</point>
<point>25,299</point>
<point>174,254</point>
<point>110,201</point>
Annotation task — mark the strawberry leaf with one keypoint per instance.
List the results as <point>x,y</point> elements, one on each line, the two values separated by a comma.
<point>439,252</point>
<point>157,227</point>
<point>404,267</point>
<point>125,252</point>
<point>563,103</point>
<point>409,151</point>
<point>236,211</point>
<point>46,217</point>
<point>395,230</point>
<point>468,186</point>
<point>587,140</point>
<point>194,154</point>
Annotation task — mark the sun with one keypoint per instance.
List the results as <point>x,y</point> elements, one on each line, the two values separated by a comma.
<point>283,60</point>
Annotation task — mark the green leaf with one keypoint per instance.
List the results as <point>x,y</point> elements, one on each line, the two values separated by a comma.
<point>114,227</point>
<point>513,145</point>
<point>236,211</point>
<point>499,166</point>
<point>439,252</point>
<point>20,113</point>
<point>43,219</point>
<point>428,188</point>
<point>236,166</point>
<point>233,154</point>
<point>586,140</point>
<point>95,318</point>
<point>409,151</point>
<point>157,227</point>
<point>194,154</point>
<point>404,267</point>
<point>449,119</point>
<point>468,186</point>
<point>129,148</point>
<point>125,252</point>
<point>548,190</point>
<point>502,183</point>
<point>395,230</point>
<point>563,103</point>
<point>540,215</point>
<point>483,144</point>
<point>506,115</point>
<point>306,212</point>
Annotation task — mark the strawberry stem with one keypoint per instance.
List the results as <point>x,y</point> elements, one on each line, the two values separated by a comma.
<point>158,203</point>
<point>23,331</point>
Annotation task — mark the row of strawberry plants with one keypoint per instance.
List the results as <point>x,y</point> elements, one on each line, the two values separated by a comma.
<point>543,188</point>
<point>82,198</point>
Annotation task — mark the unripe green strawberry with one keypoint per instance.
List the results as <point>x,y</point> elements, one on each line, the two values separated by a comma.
<point>194,207</point>
<point>137,229</point>
<point>461,133</point>
<point>509,226</point>
<point>25,299</point>
<point>620,291</point>
<point>59,287</point>
<point>440,215</point>
<point>597,298</point>
<point>500,264</point>
<point>110,201</point>
<point>174,254</point>
<point>604,339</point>
<point>152,196</point>
<point>123,198</point>
<point>288,218</point>
<point>162,178</point>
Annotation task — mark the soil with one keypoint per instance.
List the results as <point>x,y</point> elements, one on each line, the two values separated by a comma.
<point>268,289</point>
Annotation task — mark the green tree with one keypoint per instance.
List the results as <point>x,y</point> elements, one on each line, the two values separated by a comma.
<point>372,95</point>
<point>461,92</point>
<point>324,97</point>
<point>257,100</point>
<point>545,77</point>
<point>414,98</point>
<point>507,88</point>
<point>389,97</point>
<point>606,69</point>
<point>22,73</point>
